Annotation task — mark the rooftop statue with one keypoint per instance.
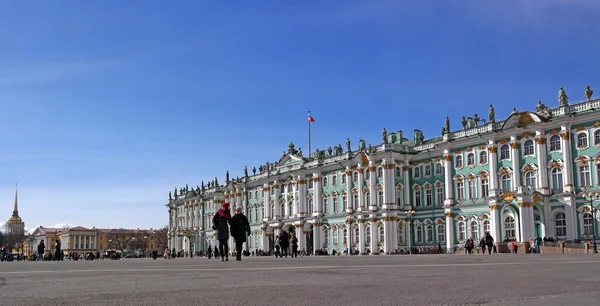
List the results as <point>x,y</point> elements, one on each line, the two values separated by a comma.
<point>261,168</point>
<point>476,119</point>
<point>227,177</point>
<point>186,188</point>
<point>175,192</point>
<point>515,111</point>
<point>348,144</point>
<point>170,196</point>
<point>446,126</point>
<point>563,100</point>
<point>299,152</point>
<point>246,171</point>
<point>370,149</point>
<point>443,130</point>
<point>588,93</point>
<point>491,115</point>
<point>291,148</point>
<point>330,151</point>
<point>464,122</point>
<point>203,186</point>
<point>216,181</point>
<point>254,171</point>
<point>384,135</point>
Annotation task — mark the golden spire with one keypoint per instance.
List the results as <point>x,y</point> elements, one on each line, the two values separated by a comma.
<point>16,208</point>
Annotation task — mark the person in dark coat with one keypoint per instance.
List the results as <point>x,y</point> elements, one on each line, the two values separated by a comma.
<point>221,223</point>
<point>41,249</point>
<point>284,243</point>
<point>240,229</point>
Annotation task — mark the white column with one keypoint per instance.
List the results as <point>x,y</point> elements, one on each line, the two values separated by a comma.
<point>349,236</point>
<point>287,192</point>
<point>301,235</point>
<point>570,215</point>
<point>527,229</point>
<point>317,245</point>
<point>374,234</point>
<point>295,210</point>
<point>449,231</point>
<point>407,198</point>
<point>349,195</point>
<point>449,191</point>
<point>373,186</point>
<point>267,205</point>
<point>542,175</point>
<point>390,233</point>
<point>361,235</point>
<point>301,196</point>
<point>494,219</point>
<point>317,196</point>
<point>493,160</point>
<point>568,162</point>
<point>361,192</point>
<point>516,157</point>
<point>278,212</point>
<point>389,190</point>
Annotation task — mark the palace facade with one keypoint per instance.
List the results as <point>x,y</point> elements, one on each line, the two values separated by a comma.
<point>516,179</point>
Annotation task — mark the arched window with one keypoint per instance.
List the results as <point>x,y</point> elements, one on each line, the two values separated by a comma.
<point>560,225</point>
<point>418,197</point>
<point>355,201</point>
<point>400,233</point>
<point>597,137</point>
<point>326,234</point>
<point>530,180</point>
<point>429,234</point>
<point>472,189</point>
<point>504,152</point>
<point>310,183</point>
<point>282,188</point>
<point>528,148</point>
<point>345,237</point>
<point>557,178</point>
<point>334,180</point>
<point>250,215</point>
<point>290,208</point>
<point>380,198</point>
<point>588,224</point>
<point>585,177</point>
<point>355,177</point>
<point>471,159</point>
<point>256,214</point>
<point>381,235</point>
<point>474,230</point>
<point>325,181</point>
<point>460,190</point>
<point>368,174</point>
<point>398,172</point>
<point>325,205</point>
<point>509,227</point>
<point>439,170</point>
<point>272,211</point>
<point>441,233</point>
<point>483,157</point>
<point>458,161</point>
<point>356,236</point>
<point>427,170</point>
<point>310,206</point>
<point>344,202</point>
<point>554,143</point>
<point>368,234</point>
<point>282,209</point>
<point>367,199</point>
<point>416,172</point>
<point>486,226</point>
<point>419,234</point>
<point>344,179</point>
<point>506,182</point>
<point>379,172</point>
<point>334,235</point>
<point>462,231</point>
<point>582,140</point>
<point>485,187</point>
<point>428,196</point>
<point>336,208</point>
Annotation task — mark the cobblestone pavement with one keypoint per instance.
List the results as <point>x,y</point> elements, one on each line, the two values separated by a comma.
<point>355,280</point>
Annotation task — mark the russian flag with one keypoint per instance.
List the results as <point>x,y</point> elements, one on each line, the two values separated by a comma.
<point>310,118</point>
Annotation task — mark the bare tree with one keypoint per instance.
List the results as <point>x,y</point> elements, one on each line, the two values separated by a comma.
<point>160,236</point>
<point>119,239</point>
<point>15,241</point>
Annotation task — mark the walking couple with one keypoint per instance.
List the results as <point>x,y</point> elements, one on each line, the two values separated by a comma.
<point>239,227</point>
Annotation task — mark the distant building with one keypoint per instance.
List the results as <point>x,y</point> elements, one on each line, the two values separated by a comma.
<point>15,225</point>
<point>516,179</point>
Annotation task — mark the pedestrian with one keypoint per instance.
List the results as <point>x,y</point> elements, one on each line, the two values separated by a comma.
<point>221,223</point>
<point>240,229</point>
<point>489,241</point>
<point>294,242</point>
<point>41,249</point>
<point>284,243</point>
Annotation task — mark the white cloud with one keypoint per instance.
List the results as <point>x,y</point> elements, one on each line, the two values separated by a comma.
<point>2,226</point>
<point>60,226</point>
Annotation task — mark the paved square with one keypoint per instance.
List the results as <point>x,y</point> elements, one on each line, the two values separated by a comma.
<point>356,280</point>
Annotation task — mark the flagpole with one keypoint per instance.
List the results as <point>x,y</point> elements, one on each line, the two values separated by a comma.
<point>309,135</point>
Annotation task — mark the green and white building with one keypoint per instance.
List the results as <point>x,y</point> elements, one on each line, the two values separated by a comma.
<point>517,179</point>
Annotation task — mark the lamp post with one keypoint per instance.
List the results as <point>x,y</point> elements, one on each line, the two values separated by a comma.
<point>591,196</point>
<point>409,214</point>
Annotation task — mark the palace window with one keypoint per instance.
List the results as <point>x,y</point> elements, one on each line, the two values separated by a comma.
<point>398,172</point>
<point>367,199</point>
<point>381,235</point>
<point>344,202</point>
<point>460,190</point>
<point>483,157</point>
<point>472,189</point>
<point>485,187</point>
<point>560,225</point>
<point>418,198</point>
<point>345,236</point>
<point>282,209</point>
<point>344,179</point>
<point>557,178</point>
<point>416,172</point>
<point>310,206</point>
<point>368,234</point>
<point>439,193</point>
<point>554,143</point>
<point>355,201</point>
<point>380,198</point>
<point>256,194</point>
<point>528,147</point>
<point>582,140</point>
<point>419,234</point>
<point>334,235</point>
<point>509,227</point>
<point>399,198</point>
<point>400,234</point>
<point>471,159</point>
<point>334,180</point>
<point>427,170</point>
<point>335,206</point>
<point>597,137</point>
<point>367,175</point>
<point>290,206</point>
<point>272,191</point>
<point>325,205</point>
<point>256,237</point>
<point>429,234</point>
<point>326,234</point>
<point>250,215</point>
<point>379,172</point>
<point>428,197</point>
<point>530,180</point>
<point>504,152</point>
<point>325,182</point>
<point>458,161</point>
<point>474,230</point>
<point>272,211</point>
<point>588,224</point>
<point>355,177</point>
<point>486,226</point>
<point>282,188</point>
<point>439,170</point>
<point>506,181</point>
<point>290,188</point>
<point>310,183</point>
<point>462,231</point>
<point>585,176</point>
<point>256,214</point>
<point>598,174</point>
<point>441,233</point>
<point>356,236</point>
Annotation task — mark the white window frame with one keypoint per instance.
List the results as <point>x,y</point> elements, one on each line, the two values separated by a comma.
<point>504,152</point>
<point>427,170</point>
<point>416,172</point>
<point>470,159</point>
<point>530,179</point>
<point>441,233</point>
<point>558,172</point>
<point>417,197</point>
<point>560,230</point>
<point>555,143</point>
<point>458,162</point>
<point>582,140</point>
<point>483,157</point>
<point>528,148</point>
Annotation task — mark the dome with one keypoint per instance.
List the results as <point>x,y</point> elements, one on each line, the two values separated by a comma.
<point>14,219</point>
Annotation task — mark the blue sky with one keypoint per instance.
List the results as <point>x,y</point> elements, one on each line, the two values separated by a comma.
<point>108,105</point>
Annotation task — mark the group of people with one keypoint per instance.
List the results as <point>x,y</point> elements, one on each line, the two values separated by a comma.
<point>486,242</point>
<point>225,224</point>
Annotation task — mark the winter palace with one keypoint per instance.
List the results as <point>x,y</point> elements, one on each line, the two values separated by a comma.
<point>528,176</point>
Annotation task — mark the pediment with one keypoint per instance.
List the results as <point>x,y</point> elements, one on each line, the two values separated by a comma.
<point>521,120</point>
<point>361,158</point>
<point>289,160</point>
